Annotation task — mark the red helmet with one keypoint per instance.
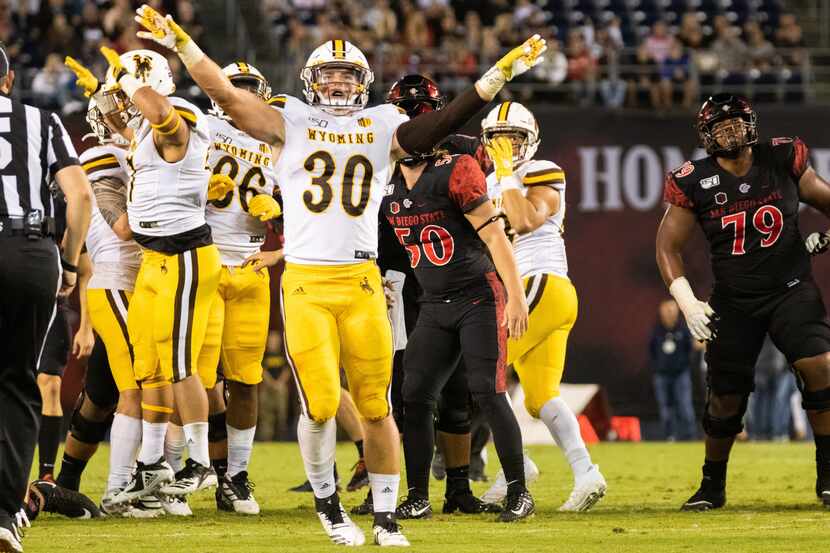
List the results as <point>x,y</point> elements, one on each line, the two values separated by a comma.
<point>722,107</point>
<point>415,94</point>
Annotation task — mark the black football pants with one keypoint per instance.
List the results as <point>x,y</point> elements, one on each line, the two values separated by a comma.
<point>29,279</point>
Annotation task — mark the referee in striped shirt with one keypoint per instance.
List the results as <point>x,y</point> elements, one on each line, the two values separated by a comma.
<point>34,150</point>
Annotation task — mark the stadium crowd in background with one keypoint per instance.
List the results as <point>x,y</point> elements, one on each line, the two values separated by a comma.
<point>632,55</point>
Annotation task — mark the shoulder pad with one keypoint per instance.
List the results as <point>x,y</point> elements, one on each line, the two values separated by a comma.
<point>540,172</point>
<point>684,170</point>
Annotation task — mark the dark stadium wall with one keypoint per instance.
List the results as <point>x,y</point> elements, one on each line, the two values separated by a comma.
<point>615,164</point>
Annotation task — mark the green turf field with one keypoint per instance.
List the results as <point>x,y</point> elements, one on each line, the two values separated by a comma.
<point>771,507</point>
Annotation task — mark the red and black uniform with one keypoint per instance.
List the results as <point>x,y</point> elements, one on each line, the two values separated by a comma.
<point>461,308</point>
<point>763,280</point>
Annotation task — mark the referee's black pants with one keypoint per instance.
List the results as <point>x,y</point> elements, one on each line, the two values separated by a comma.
<point>29,281</point>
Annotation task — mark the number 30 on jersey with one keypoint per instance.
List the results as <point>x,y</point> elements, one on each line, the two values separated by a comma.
<point>322,168</point>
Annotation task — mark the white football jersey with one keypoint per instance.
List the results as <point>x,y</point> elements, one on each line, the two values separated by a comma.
<point>543,250</point>
<point>332,173</point>
<point>249,163</point>
<point>115,261</point>
<point>165,199</point>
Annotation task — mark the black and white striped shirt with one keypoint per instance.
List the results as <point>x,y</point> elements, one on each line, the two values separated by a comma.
<point>34,146</point>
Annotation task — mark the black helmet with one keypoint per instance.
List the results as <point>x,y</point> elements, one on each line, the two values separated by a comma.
<point>721,107</point>
<point>415,94</point>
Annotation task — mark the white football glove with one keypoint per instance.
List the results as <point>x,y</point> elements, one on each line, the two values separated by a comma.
<point>514,63</point>
<point>698,314</point>
<point>22,520</point>
<point>817,242</point>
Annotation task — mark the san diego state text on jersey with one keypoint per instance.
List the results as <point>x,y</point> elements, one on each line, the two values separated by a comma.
<point>444,249</point>
<point>751,222</point>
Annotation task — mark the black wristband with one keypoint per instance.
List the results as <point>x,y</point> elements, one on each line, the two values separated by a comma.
<point>68,267</point>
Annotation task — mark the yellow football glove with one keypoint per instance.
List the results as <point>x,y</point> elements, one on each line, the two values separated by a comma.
<point>265,207</point>
<point>88,82</point>
<point>218,186</point>
<point>500,150</point>
<point>517,61</point>
<point>114,61</point>
<point>168,33</point>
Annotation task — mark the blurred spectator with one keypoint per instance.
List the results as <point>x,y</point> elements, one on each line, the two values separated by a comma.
<point>731,51</point>
<point>659,42</point>
<point>382,20</point>
<point>676,79</point>
<point>612,87</point>
<point>789,38</point>
<point>51,86</point>
<point>582,68</point>
<point>761,52</point>
<point>769,405</point>
<point>670,354</point>
<point>274,392</point>
<point>690,34</point>
<point>642,76</point>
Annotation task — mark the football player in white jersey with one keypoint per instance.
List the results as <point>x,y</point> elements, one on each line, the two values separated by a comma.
<point>531,193</point>
<point>335,158</point>
<point>237,221</point>
<point>116,258</point>
<point>176,284</point>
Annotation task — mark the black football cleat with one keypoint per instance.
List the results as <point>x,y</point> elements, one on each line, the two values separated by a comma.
<point>823,486</point>
<point>365,508</point>
<point>517,506</point>
<point>414,507</point>
<point>705,498</point>
<point>52,498</point>
<point>468,504</point>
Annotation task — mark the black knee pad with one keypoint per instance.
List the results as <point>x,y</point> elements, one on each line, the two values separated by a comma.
<point>725,427</point>
<point>453,421</point>
<point>100,386</point>
<point>87,431</point>
<point>217,428</point>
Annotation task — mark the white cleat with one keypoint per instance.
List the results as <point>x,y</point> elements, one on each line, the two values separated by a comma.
<point>192,478</point>
<point>389,535</point>
<point>498,491</point>
<point>175,505</point>
<point>338,526</point>
<point>148,506</point>
<point>10,540</point>
<point>146,480</point>
<point>236,495</point>
<point>589,488</point>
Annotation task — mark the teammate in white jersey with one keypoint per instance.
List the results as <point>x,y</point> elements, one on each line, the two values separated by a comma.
<point>179,274</point>
<point>237,221</point>
<point>531,193</point>
<point>334,160</point>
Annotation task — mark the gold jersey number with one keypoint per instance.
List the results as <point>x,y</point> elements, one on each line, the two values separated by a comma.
<point>247,187</point>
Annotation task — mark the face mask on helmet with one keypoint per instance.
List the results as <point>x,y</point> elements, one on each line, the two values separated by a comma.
<point>519,138</point>
<point>100,129</point>
<point>727,125</point>
<point>518,124</point>
<point>339,86</point>
<point>247,77</point>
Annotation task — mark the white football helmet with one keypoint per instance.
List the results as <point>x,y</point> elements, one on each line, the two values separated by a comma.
<point>243,75</point>
<point>100,129</point>
<point>148,67</point>
<point>337,54</point>
<point>512,118</point>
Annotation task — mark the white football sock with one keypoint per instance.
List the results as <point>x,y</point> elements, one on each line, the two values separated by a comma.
<point>384,491</point>
<point>125,437</point>
<point>196,434</point>
<point>564,428</point>
<point>317,443</point>
<point>240,445</point>
<point>174,445</point>
<point>152,442</point>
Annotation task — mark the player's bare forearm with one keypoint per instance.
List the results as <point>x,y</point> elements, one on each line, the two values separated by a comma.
<point>526,214</point>
<point>672,235</point>
<point>501,251</point>
<point>814,191</point>
<point>75,186</point>
<point>248,111</point>
<point>85,269</point>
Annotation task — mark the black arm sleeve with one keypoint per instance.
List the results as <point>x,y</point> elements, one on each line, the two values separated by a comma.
<point>421,134</point>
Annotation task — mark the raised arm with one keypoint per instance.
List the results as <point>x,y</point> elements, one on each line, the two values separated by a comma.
<point>248,111</point>
<point>421,134</point>
<point>524,213</point>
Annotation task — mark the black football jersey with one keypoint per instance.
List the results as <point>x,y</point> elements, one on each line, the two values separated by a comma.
<point>751,222</point>
<point>444,249</point>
